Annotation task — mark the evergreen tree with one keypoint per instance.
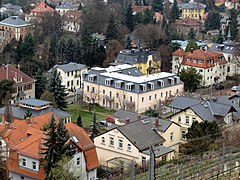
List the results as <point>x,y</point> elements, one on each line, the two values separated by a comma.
<point>175,13</point>
<point>79,52</point>
<point>71,50</point>
<point>29,47</point>
<point>112,29</point>
<point>99,56</point>
<point>49,150</point>
<point>157,5</point>
<point>40,84</point>
<point>79,121</point>
<point>192,45</point>
<point>48,96</point>
<point>213,21</point>
<point>147,16</point>
<point>129,18</point>
<point>220,38</point>
<point>191,79</point>
<point>233,23</point>
<point>19,49</point>
<point>58,90</point>
<point>128,41</point>
<point>87,41</point>
<point>62,145</point>
<point>54,44</point>
<point>94,126</point>
<point>61,50</point>
<point>191,34</point>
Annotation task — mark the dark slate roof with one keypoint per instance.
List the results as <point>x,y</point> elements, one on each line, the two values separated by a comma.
<point>10,6</point>
<point>34,102</point>
<point>192,5</point>
<point>222,48</point>
<point>182,102</point>
<point>123,115</point>
<point>67,6</point>
<point>19,112</point>
<point>159,151</point>
<point>68,67</point>
<point>14,21</point>
<point>141,134</point>
<point>207,110</point>
<point>136,56</point>
<point>129,74</point>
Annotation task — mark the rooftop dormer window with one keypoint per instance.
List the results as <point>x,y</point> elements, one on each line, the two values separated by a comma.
<point>91,77</point>
<point>161,83</point>
<point>144,87</point>
<point>171,80</point>
<point>108,81</point>
<point>200,61</point>
<point>151,85</point>
<point>129,86</point>
<point>118,84</point>
<point>188,60</point>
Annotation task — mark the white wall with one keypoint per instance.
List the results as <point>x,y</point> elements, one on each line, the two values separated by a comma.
<point>29,161</point>
<point>15,176</point>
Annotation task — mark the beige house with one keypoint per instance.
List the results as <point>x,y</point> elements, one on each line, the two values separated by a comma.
<point>125,87</point>
<point>23,87</point>
<point>132,141</point>
<point>187,110</point>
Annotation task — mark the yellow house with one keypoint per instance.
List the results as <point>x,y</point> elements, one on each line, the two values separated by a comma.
<point>148,62</point>
<point>132,141</point>
<point>188,110</point>
<point>192,10</point>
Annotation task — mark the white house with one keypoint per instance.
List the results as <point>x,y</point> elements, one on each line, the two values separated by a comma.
<point>65,7</point>
<point>71,75</point>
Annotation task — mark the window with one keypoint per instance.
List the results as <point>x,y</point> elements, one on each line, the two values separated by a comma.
<point>118,84</point>
<point>171,136</point>
<point>187,119</point>
<point>193,119</point>
<point>142,99</point>
<point>129,147</point>
<point>103,91</point>
<point>200,70</point>
<point>117,95</point>
<point>161,83</point>
<point>91,78</point>
<point>128,87</point>
<point>110,94</point>
<point>131,99</point>
<point>194,61</point>
<point>179,119</point>
<point>144,160</point>
<point>144,88</point>
<point>183,134</point>
<point>111,141</point>
<point>72,73</point>
<point>103,140</point>
<point>120,143</point>
<point>88,88</point>
<point>151,86</point>
<point>78,161</point>
<point>108,82</point>
<point>166,94</point>
<point>68,73</point>
<point>22,177</point>
<point>77,82</point>
<point>200,61</point>
<point>34,165</point>
<point>93,89</point>
<point>23,162</point>
<point>150,97</point>
<point>155,96</point>
<point>68,83</point>
<point>164,158</point>
<point>161,95</point>
<point>72,83</point>
<point>188,60</point>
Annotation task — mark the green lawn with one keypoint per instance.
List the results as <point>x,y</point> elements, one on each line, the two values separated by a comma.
<point>102,113</point>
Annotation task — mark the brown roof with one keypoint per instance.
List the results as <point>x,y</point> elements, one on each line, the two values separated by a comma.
<point>42,8</point>
<point>10,72</point>
<point>140,8</point>
<point>188,22</point>
<point>200,54</point>
<point>73,14</point>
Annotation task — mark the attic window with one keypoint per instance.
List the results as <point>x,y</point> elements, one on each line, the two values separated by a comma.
<point>171,80</point>
<point>161,83</point>
<point>75,139</point>
<point>91,77</point>
<point>129,86</point>
<point>118,84</point>
<point>144,87</point>
<point>108,81</point>
<point>200,61</point>
<point>151,85</point>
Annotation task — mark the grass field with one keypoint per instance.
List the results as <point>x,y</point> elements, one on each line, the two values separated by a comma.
<point>101,113</point>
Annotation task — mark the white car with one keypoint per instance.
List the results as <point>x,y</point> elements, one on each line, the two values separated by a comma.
<point>234,88</point>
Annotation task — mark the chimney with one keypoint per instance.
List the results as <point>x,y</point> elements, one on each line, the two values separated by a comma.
<point>138,117</point>
<point>132,51</point>
<point>127,120</point>
<point>156,123</point>
<point>18,66</point>
<point>191,50</point>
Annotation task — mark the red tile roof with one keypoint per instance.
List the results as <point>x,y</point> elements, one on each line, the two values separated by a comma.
<point>42,8</point>
<point>200,55</point>
<point>140,8</point>
<point>188,22</point>
<point>10,72</point>
<point>73,14</point>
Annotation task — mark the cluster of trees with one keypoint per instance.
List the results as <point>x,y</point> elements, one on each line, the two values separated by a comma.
<point>55,146</point>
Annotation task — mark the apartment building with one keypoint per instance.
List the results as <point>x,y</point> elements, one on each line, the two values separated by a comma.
<point>65,7</point>
<point>192,10</point>
<point>25,160</point>
<point>187,110</point>
<point>14,27</point>
<point>23,87</point>
<point>148,62</point>
<point>125,87</point>
<point>211,65</point>
<point>71,75</point>
<point>72,21</point>
<point>132,141</point>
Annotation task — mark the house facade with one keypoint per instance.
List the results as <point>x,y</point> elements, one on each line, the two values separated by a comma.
<point>14,27</point>
<point>65,7</point>
<point>23,87</point>
<point>192,10</point>
<point>72,21</point>
<point>25,161</point>
<point>188,110</point>
<point>71,75</point>
<point>148,62</point>
<point>125,87</point>
<point>132,141</point>
<point>11,9</point>
<point>211,65</point>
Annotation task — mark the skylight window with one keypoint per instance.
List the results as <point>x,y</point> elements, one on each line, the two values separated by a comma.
<point>75,139</point>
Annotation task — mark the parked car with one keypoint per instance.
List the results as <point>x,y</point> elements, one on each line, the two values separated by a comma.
<point>234,88</point>
<point>110,119</point>
<point>219,87</point>
<point>103,124</point>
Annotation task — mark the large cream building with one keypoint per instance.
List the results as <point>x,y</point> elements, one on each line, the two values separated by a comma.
<point>125,87</point>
